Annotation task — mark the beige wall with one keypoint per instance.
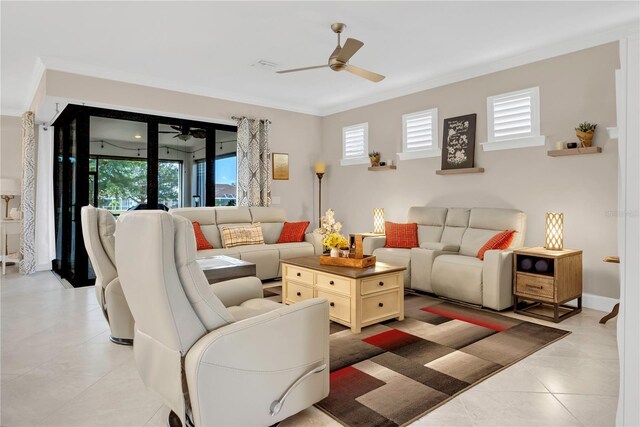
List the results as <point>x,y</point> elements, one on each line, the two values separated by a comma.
<point>573,88</point>
<point>11,163</point>
<point>293,133</point>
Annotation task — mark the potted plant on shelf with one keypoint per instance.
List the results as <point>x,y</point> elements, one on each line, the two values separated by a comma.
<point>584,132</point>
<point>374,157</point>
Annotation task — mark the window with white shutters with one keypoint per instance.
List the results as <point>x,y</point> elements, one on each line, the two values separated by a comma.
<point>420,134</point>
<point>355,144</point>
<point>513,120</point>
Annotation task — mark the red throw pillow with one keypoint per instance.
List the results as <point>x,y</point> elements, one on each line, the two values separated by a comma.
<point>293,232</point>
<point>201,242</point>
<point>502,240</point>
<point>401,235</point>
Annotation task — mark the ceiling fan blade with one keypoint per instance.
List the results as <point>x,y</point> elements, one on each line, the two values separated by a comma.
<point>198,133</point>
<point>361,72</point>
<point>178,128</point>
<point>168,131</point>
<point>302,69</point>
<point>351,46</point>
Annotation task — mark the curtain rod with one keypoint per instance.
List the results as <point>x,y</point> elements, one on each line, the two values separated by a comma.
<point>245,117</point>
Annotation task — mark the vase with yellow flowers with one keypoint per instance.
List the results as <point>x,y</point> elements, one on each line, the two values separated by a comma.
<point>330,231</point>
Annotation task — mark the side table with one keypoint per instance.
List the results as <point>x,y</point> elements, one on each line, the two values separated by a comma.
<point>547,277</point>
<point>9,227</point>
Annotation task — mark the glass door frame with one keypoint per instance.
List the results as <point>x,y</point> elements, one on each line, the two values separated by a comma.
<point>71,265</point>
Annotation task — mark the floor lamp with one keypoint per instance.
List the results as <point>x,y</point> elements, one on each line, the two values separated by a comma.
<point>320,168</point>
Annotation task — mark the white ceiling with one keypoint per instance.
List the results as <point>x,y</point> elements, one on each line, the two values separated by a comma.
<point>209,47</point>
<point>114,130</point>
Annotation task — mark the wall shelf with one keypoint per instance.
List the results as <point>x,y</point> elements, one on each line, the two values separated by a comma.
<point>382,168</point>
<point>459,171</point>
<point>574,151</point>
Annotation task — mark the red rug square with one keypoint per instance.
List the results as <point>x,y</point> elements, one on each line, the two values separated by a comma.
<point>391,340</point>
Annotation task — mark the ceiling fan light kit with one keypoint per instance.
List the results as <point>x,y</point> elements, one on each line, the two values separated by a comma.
<point>339,59</point>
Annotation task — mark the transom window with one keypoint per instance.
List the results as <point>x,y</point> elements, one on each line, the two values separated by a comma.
<point>420,135</point>
<point>355,144</point>
<point>513,120</point>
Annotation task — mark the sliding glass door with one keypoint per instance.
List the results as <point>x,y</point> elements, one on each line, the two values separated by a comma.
<point>123,161</point>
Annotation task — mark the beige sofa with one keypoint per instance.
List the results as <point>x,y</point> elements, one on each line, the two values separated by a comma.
<point>446,264</point>
<point>266,257</point>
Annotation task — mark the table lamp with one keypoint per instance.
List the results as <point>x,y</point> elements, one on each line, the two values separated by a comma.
<point>320,168</point>
<point>554,223</point>
<point>378,220</point>
<point>9,188</point>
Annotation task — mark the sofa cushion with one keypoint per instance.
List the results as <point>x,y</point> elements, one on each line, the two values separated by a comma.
<point>212,234</point>
<point>232,252</point>
<point>233,215</point>
<point>265,257</point>
<point>241,235</point>
<point>267,214</point>
<point>473,239</point>
<point>458,217</point>
<point>500,219</point>
<point>252,308</point>
<point>452,235</point>
<point>401,235</point>
<point>500,241</point>
<point>107,231</point>
<point>458,277</point>
<point>396,256</point>
<point>436,246</point>
<point>429,233</point>
<point>201,241</point>
<point>423,215</point>
<point>203,215</point>
<point>271,231</point>
<point>294,249</point>
<point>293,232</point>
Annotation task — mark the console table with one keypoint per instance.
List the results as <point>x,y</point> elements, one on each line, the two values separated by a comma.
<point>358,297</point>
<point>547,277</point>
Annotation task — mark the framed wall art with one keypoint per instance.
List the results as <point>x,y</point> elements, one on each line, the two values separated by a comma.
<point>280,166</point>
<point>459,142</point>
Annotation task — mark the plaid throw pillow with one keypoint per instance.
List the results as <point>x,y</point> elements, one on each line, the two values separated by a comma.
<point>239,235</point>
<point>201,242</point>
<point>403,236</point>
<point>502,240</point>
<point>293,232</point>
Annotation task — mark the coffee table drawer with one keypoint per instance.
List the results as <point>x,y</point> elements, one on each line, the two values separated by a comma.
<point>298,274</point>
<point>339,306</point>
<point>380,283</point>
<point>379,305</point>
<point>297,292</point>
<point>539,287</point>
<point>333,284</point>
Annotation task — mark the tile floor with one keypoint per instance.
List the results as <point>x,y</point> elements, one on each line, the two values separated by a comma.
<point>59,369</point>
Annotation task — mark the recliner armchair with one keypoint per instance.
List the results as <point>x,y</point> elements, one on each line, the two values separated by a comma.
<point>98,228</point>
<point>221,354</point>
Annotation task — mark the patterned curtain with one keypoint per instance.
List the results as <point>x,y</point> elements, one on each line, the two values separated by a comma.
<point>28,236</point>
<point>254,163</point>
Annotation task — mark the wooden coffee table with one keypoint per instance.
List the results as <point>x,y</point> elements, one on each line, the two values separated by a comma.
<point>358,297</point>
<point>221,267</point>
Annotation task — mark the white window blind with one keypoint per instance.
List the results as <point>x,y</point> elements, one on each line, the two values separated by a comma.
<point>420,130</point>
<point>513,115</point>
<point>355,144</point>
<point>420,135</point>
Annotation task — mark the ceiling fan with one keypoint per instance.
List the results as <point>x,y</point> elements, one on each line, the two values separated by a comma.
<point>339,59</point>
<point>185,132</point>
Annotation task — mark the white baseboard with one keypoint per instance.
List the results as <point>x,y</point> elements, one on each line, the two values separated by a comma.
<point>598,302</point>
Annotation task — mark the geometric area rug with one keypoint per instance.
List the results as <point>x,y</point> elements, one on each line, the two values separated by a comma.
<point>394,373</point>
